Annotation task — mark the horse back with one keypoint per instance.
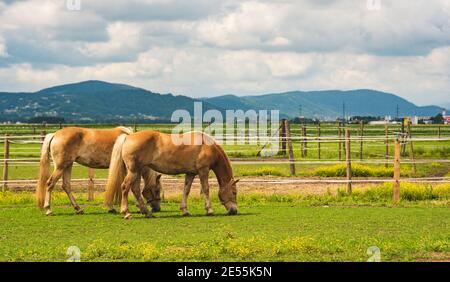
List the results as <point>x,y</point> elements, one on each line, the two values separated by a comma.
<point>89,147</point>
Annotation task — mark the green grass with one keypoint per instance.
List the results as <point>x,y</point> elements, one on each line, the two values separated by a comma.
<point>268,228</point>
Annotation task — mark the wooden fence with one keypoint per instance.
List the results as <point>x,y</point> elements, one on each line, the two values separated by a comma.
<point>286,138</point>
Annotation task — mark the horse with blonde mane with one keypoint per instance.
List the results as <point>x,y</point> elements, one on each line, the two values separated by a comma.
<point>192,154</point>
<point>88,147</point>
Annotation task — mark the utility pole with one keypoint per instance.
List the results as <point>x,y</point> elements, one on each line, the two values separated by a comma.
<point>300,112</point>
<point>343,111</point>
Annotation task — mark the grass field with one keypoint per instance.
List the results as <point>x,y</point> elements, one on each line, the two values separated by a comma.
<point>268,228</point>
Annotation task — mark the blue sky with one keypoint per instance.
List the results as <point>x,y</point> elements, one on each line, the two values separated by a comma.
<point>211,47</point>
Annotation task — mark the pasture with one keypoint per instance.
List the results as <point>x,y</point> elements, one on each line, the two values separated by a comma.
<point>267,228</point>
<point>278,220</point>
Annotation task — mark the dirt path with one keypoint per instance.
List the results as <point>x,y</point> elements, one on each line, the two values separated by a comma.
<point>260,184</point>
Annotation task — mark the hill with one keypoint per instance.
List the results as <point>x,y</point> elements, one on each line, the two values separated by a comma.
<point>329,104</point>
<point>98,101</point>
<point>94,101</point>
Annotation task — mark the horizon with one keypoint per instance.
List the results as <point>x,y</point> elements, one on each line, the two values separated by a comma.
<point>217,47</point>
<point>225,94</point>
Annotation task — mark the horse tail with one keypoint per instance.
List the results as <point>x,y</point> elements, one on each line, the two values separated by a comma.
<point>116,174</point>
<point>44,170</point>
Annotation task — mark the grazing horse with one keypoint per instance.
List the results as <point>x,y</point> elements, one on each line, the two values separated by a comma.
<point>88,147</point>
<point>171,154</point>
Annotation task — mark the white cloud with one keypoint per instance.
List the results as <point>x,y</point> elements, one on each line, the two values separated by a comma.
<point>211,47</point>
<point>3,50</point>
<point>123,37</point>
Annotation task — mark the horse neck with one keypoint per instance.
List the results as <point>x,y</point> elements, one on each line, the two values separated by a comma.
<point>222,169</point>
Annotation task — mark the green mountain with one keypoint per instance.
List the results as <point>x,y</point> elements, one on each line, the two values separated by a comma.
<point>98,101</point>
<point>329,104</point>
<point>94,101</point>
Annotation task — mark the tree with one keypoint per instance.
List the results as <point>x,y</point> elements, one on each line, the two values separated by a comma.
<point>438,119</point>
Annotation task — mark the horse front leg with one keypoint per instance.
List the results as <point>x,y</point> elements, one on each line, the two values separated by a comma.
<point>188,179</point>
<point>204,174</point>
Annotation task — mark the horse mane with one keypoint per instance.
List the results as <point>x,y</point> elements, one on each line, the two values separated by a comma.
<point>223,161</point>
<point>126,130</point>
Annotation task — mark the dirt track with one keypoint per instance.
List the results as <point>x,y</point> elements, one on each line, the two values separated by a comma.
<point>260,184</point>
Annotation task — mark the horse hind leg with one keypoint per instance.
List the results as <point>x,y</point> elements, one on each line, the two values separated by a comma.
<point>67,188</point>
<point>51,182</point>
<point>136,189</point>
<point>130,182</point>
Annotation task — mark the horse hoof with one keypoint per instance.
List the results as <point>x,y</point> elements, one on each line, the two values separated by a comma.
<point>148,215</point>
<point>128,216</point>
<point>49,213</point>
<point>79,211</point>
<point>186,214</point>
<point>112,211</point>
<point>211,213</point>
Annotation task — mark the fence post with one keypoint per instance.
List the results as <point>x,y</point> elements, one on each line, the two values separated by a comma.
<point>302,143</point>
<point>349,161</point>
<point>318,140</point>
<point>60,125</point>
<point>386,143</point>
<point>396,192</point>
<point>403,145</point>
<point>439,132</point>
<point>339,141</point>
<point>42,137</point>
<point>283,136</point>
<point>289,143</point>
<point>361,140</point>
<point>305,140</point>
<point>343,139</point>
<point>91,174</point>
<point>411,150</point>
<point>44,126</point>
<point>5,164</point>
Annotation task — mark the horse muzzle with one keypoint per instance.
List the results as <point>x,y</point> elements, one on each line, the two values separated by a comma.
<point>156,207</point>
<point>232,211</point>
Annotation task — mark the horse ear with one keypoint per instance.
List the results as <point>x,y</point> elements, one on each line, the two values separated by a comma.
<point>158,177</point>
<point>236,181</point>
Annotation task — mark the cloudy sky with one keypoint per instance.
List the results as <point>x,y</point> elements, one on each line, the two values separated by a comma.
<point>213,47</point>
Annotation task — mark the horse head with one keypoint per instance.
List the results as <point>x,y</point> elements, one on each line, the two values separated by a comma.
<point>152,194</point>
<point>227,196</point>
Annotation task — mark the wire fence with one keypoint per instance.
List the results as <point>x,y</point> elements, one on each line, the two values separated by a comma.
<point>17,153</point>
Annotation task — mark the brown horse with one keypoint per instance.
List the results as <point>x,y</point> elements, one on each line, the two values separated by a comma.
<point>88,147</point>
<point>171,154</point>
